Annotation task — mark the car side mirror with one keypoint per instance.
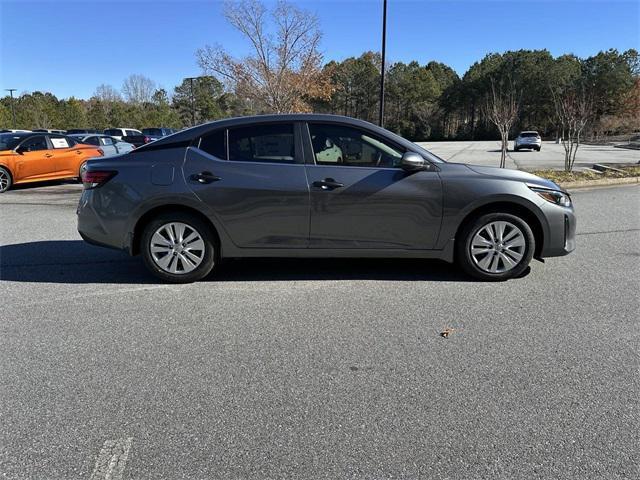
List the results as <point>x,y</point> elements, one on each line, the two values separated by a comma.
<point>413,162</point>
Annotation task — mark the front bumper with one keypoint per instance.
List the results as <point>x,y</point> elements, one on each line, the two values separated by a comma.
<point>561,236</point>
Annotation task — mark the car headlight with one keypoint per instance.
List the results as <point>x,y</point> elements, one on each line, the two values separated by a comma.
<point>554,196</point>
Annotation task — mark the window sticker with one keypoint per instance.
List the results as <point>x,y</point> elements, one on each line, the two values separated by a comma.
<point>60,143</point>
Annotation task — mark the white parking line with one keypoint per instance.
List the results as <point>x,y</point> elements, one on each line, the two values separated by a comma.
<point>112,459</point>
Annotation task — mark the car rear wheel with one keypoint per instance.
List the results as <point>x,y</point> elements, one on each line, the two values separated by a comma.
<point>495,247</point>
<point>179,247</point>
<point>5,180</point>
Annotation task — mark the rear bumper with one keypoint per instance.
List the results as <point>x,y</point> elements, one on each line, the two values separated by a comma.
<point>561,237</point>
<point>104,231</point>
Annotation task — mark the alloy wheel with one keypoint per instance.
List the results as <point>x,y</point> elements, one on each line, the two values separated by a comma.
<point>4,180</point>
<point>177,248</point>
<point>498,247</point>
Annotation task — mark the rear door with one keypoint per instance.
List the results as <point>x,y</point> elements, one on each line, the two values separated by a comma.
<point>107,145</point>
<point>361,198</point>
<point>253,178</point>
<point>67,155</point>
<point>34,159</point>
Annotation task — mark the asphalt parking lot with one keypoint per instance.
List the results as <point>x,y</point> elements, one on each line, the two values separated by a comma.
<point>316,368</point>
<point>551,156</point>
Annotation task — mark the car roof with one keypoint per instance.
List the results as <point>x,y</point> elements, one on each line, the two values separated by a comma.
<point>194,132</point>
<point>529,131</point>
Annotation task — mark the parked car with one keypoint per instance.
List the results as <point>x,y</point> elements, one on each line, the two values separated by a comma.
<point>529,140</point>
<point>49,130</point>
<point>110,146</point>
<point>74,131</point>
<point>33,157</point>
<point>129,135</point>
<point>262,187</point>
<point>10,130</point>
<point>156,133</point>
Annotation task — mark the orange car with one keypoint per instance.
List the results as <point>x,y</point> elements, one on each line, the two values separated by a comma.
<point>34,157</point>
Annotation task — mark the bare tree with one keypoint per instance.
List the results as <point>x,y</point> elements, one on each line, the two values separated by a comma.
<point>285,68</point>
<point>574,110</point>
<point>106,94</point>
<point>138,89</point>
<point>501,108</point>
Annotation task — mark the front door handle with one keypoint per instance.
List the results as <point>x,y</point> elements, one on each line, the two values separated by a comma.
<point>327,184</point>
<point>205,177</point>
<point>48,155</point>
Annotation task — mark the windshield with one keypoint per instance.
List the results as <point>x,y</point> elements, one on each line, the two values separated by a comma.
<point>9,141</point>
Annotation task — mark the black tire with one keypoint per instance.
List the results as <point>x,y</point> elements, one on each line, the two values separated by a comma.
<point>210,254</point>
<point>6,180</point>
<point>538,149</point>
<point>469,231</point>
<point>515,149</point>
<point>82,166</point>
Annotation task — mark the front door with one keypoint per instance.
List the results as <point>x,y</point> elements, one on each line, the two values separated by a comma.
<point>360,198</point>
<point>34,159</point>
<point>254,179</point>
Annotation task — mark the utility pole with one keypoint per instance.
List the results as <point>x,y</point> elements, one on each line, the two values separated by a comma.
<point>384,44</point>
<point>193,108</point>
<point>13,108</point>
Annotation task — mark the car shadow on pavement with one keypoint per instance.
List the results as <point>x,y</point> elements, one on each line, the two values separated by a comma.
<point>75,261</point>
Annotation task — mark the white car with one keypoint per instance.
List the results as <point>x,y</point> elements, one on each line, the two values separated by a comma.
<point>122,132</point>
<point>109,145</point>
<point>11,130</point>
<point>529,139</point>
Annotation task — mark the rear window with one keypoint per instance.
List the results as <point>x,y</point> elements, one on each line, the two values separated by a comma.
<point>152,131</point>
<point>113,131</point>
<point>529,134</point>
<point>132,133</point>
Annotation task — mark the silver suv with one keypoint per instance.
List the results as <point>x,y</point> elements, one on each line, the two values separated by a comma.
<point>530,139</point>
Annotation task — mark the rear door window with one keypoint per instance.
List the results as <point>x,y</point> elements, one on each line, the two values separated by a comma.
<point>59,142</point>
<point>273,143</point>
<point>214,144</point>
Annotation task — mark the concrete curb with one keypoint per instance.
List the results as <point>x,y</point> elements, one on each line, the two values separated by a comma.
<point>600,182</point>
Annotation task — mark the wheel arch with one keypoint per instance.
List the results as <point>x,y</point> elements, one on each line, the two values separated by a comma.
<point>150,214</point>
<point>514,208</point>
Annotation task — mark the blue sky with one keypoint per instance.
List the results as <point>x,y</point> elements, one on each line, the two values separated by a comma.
<point>70,47</point>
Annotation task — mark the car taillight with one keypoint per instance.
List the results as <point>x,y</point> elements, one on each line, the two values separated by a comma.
<point>101,152</point>
<point>96,178</point>
<point>147,139</point>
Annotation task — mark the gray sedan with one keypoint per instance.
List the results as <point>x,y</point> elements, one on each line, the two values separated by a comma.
<point>316,186</point>
<point>110,146</point>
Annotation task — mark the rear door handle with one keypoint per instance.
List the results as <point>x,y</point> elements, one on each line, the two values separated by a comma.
<point>205,177</point>
<point>327,184</point>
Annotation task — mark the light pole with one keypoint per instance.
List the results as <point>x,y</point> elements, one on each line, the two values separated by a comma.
<point>13,109</point>
<point>384,43</point>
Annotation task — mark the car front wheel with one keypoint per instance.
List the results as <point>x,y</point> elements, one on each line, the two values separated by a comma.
<point>5,180</point>
<point>179,247</point>
<point>495,247</point>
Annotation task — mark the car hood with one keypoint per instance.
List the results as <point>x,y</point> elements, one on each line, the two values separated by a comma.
<point>507,174</point>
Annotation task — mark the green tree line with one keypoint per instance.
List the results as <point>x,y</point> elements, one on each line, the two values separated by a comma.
<point>422,101</point>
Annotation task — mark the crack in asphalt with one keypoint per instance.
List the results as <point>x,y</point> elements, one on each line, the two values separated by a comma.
<point>608,231</point>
